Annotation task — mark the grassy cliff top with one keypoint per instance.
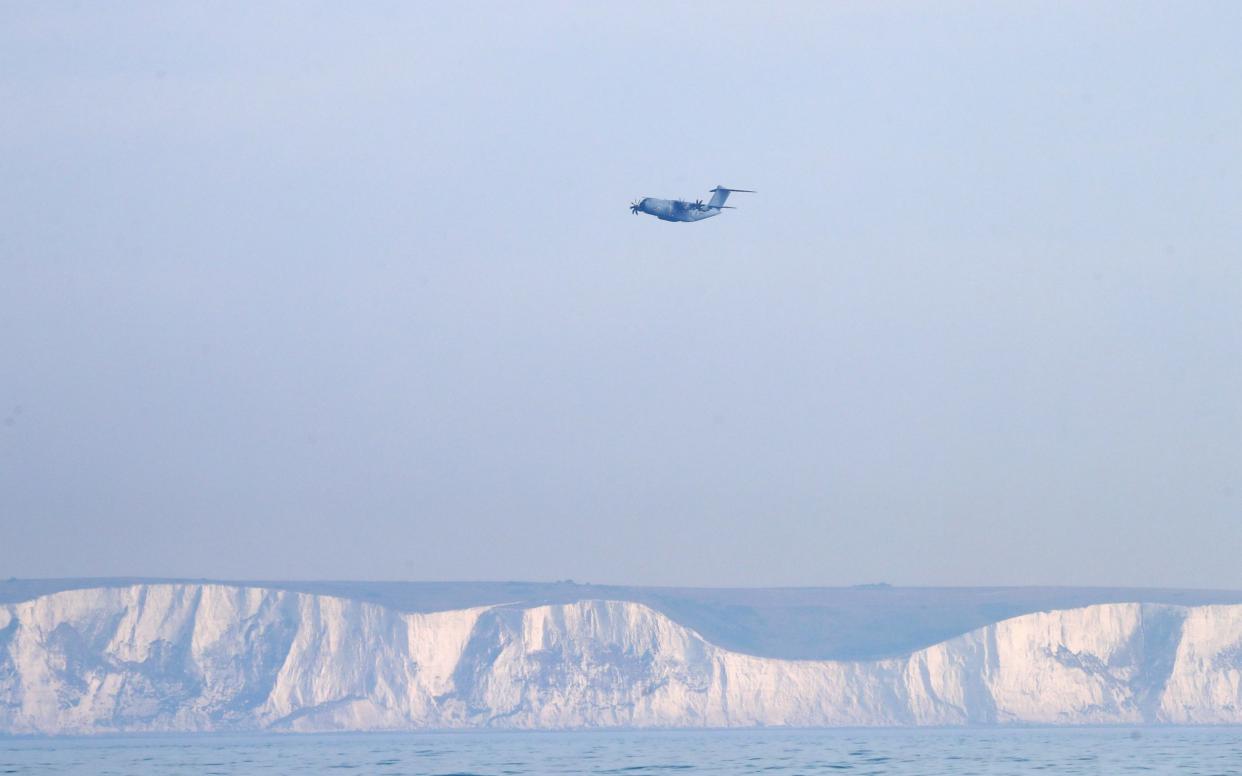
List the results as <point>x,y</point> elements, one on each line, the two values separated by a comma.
<point>832,623</point>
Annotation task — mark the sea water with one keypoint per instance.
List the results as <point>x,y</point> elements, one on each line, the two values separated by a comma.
<point>632,753</point>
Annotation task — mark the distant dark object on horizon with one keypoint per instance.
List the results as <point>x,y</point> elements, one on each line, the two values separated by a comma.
<point>680,210</point>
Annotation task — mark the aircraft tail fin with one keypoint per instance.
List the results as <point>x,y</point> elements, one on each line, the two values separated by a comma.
<point>720,194</point>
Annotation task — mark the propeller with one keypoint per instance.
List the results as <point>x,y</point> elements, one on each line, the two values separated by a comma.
<point>634,208</point>
<point>698,203</point>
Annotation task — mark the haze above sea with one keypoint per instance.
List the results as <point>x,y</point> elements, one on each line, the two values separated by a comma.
<point>924,752</point>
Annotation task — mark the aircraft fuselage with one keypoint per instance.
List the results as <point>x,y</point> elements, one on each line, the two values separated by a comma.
<point>675,209</point>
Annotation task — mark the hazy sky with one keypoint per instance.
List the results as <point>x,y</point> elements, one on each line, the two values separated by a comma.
<point>352,291</point>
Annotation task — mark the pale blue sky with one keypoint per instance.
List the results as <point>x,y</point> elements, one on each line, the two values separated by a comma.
<point>353,291</point>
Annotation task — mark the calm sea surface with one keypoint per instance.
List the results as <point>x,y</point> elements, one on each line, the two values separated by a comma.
<point>921,752</point>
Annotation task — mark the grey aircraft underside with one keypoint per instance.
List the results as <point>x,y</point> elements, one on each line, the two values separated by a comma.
<point>680,210</point>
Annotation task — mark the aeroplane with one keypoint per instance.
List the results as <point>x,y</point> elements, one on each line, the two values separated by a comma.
<point>680,210</point>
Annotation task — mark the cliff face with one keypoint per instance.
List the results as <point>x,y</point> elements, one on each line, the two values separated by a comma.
<point>189,657</point>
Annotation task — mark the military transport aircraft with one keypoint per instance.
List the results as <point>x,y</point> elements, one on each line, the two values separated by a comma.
<point>680,210</point>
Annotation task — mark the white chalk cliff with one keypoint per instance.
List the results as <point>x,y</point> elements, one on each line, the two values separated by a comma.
<point>185,657</point>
